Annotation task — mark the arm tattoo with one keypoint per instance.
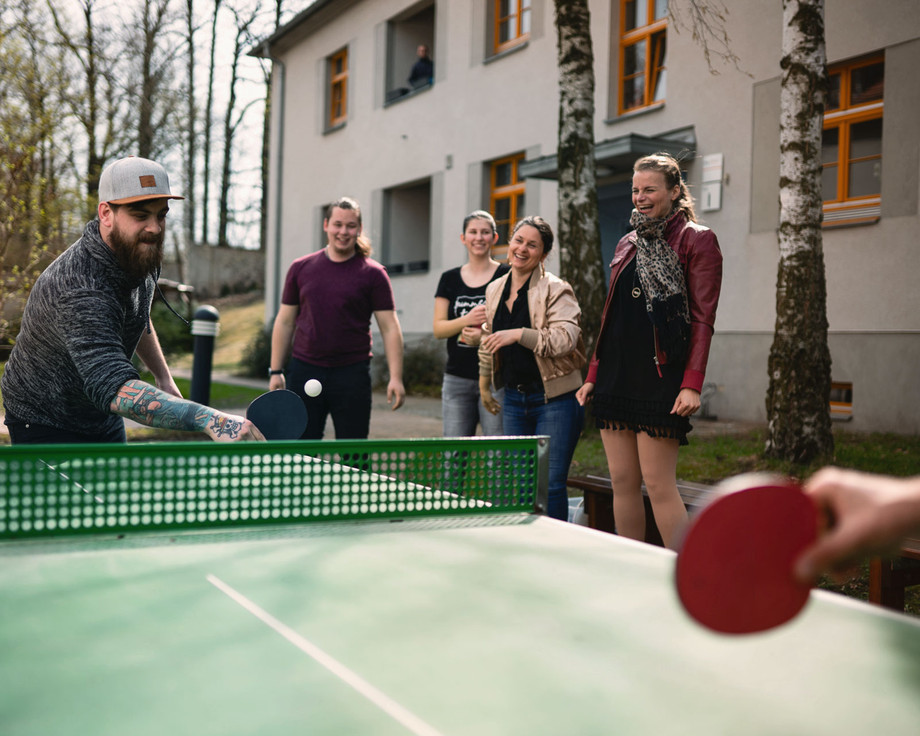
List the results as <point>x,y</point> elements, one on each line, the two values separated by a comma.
<point>149,405</point>
<point>222,425</point>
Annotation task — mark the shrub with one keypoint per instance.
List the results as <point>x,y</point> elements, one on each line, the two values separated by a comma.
<point>423,368</point>
<point>258,355</point>
<point>175,336</point>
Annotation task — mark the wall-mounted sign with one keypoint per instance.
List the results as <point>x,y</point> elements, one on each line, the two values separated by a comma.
<point>711,191</point>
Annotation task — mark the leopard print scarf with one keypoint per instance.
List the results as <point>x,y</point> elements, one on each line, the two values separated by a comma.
<point>662,279</point>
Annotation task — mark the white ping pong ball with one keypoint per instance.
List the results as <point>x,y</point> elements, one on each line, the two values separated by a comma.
<point>312,387</point>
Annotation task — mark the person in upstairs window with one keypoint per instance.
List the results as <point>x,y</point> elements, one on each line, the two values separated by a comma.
<point>422,71</point>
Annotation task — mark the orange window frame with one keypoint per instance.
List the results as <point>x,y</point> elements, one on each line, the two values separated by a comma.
<point>505,192</point>
<point>517,10</point>
<point>654,30</point>
<point>842,118</point>
<point>841,401</point>
<point>338,87</point>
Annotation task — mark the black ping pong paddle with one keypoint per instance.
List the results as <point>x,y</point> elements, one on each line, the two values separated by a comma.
<point>279,415</point>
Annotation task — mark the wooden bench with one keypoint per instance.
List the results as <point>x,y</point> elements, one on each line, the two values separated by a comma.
<point>598,494</point>
<point>888,577</point>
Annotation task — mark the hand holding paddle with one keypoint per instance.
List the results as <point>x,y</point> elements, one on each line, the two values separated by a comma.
<point>735,567</point>
<point>872,515</point>
<point>279,415</point>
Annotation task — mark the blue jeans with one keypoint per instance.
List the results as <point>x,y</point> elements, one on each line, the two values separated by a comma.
<point>561,419</point>
<point>346,395</point>
<point>462,409</point>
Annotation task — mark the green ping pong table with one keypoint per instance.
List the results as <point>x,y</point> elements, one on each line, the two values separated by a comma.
<point>384,587</point>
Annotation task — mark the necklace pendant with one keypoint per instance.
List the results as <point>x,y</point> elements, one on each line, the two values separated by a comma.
<point>636,292</point>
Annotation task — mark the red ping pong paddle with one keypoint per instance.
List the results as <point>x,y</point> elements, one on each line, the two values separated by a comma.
<point>734,569</point>
<point>279,415</point>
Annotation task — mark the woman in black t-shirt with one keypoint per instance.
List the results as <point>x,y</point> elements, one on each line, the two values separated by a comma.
<point>458,317</point>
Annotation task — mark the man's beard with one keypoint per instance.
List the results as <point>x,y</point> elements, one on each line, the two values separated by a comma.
<point>140,256</point>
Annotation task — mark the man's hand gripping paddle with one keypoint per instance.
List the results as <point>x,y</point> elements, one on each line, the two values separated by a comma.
<point>279,415</point>
<point>735,566</point>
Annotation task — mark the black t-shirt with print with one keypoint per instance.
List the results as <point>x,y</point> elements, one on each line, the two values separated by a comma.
<point>462,359</point>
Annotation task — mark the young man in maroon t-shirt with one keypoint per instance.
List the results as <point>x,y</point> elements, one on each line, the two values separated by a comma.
<point>324,325</point>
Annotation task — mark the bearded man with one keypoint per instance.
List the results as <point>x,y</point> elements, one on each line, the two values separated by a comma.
<point>70,378</point>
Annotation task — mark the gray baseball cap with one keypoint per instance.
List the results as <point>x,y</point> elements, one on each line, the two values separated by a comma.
<point>134,179</point>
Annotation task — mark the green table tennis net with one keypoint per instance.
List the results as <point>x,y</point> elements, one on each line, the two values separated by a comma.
<point>74,489</point>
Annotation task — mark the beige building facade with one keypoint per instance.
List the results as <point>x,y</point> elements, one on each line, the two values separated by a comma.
<point>482,134</point>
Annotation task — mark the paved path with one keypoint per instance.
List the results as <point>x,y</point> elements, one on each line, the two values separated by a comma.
<point>419,416</point>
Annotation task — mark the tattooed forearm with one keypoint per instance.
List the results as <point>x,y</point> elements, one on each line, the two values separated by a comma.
<point>157,408</point>
<point>223,426</point>
<point>149,405</point>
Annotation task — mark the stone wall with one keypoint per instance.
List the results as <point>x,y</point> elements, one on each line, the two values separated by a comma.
<point>218,271</point>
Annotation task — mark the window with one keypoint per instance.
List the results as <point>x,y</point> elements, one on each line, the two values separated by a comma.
<point>851,147</point>
<point>506,199</point>
<point>512,23</point>
<point>407,228</point>
<point>408,67</point>
<point>841,401</point>
<point>338,88</point>
<point>643,47</point>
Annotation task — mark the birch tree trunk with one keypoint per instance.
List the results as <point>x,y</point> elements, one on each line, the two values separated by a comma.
<point>799,425</point>
<point>578,229</point>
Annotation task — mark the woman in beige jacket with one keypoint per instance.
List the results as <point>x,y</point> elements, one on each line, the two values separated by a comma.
<point>533,347</point>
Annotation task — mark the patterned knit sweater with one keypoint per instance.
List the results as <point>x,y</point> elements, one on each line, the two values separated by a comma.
<point>81,325</point>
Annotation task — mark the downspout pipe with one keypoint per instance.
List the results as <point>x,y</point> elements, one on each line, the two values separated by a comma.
<point>278,110</point>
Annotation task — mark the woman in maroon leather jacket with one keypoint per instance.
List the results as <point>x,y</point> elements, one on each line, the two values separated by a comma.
<point>650,358</point>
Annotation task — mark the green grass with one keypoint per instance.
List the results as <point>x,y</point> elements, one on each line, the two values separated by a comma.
<point>708,460</point>
<point>223,395</point>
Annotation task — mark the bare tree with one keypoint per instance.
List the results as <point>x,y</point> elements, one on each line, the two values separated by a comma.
<point>579,227</point>
<point>207,119</point>
<point>233,118</point>
<point>33,143</point>
<point>799,425</point>
<point>191,130</point>
<point>155,101</point>
<point>93,101</point>
<point>706,20</point>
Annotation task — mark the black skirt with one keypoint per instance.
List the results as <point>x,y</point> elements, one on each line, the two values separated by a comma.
<point>630,393</point>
